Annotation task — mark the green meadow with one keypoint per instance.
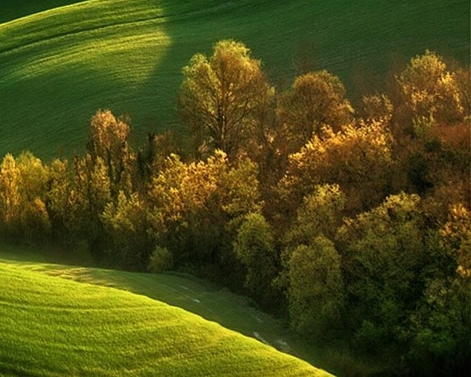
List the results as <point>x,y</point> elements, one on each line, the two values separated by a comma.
<point>60,61</point>
<point>59,320</point>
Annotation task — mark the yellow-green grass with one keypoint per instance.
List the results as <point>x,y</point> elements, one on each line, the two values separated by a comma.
<point>59,66</point>
<point>194,295</point>
<point>55,327</point>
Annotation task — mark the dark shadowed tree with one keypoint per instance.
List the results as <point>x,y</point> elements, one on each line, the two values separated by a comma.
<point>383,254</point>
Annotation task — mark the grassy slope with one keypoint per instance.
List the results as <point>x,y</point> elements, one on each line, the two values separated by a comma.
<point>58,67</point>
<point>52,326</point>
<point>12,10</point>
<point>189,293</point>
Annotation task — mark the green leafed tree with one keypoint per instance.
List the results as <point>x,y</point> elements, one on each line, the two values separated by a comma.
<point>221,98</point>
<point>441,325</point>
<point>61,202</point>
<point>320,213</point>
<point>311,275</point>
<point>125,223</point>
<point>254,246</point>
<point>315,290</point>
<point>90,193</point>
<point>384,254</point>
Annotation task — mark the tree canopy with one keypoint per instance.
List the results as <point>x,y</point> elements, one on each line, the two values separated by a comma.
<point>221,97</point>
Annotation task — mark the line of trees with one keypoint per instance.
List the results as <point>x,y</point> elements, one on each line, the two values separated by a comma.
<point>355,224</point>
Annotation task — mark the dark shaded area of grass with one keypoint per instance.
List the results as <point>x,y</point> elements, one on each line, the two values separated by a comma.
<point>11,10</point>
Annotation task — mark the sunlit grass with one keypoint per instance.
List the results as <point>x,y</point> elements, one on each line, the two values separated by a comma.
<point>53,326</point>
<point>194,295</point>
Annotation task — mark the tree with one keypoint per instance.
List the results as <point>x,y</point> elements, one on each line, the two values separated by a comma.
<point>125,223</point>
<point>315,290</point>
<point>255,247</point>
<point>319,214</point>
<point>196,208</point>
<point>456,239</point>
<point>23,183</point>
<point>315,100</point>
<point>152,157</point>
<point>61,202</point>
<point>377,108</point>
<point>311,274</point>
<point>161,260</point>
<point>358,158</point>
<point>10,192</point>
<point>221,97</point>
<point>431,124</point>
<point>89,195</point>
<point>33,189</point>
<point>109,142</point>
<point>384,254</point>
<point>441,325</point>
<point>430,93</point>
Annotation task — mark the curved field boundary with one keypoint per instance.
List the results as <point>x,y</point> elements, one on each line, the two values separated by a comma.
<point>52,326</point>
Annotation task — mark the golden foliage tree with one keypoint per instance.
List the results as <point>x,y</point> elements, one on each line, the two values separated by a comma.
<point>430,93</point>
<point>23,193</point>
<point>315,100</point>
<point>221,98</point>
<point>196,207</point>
<point>358,158</point>
<point>109,142</point>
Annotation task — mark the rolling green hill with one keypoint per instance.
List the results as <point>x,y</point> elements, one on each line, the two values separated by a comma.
<point>53,327</point>
<point>59,66</point>
<point>11,10</point>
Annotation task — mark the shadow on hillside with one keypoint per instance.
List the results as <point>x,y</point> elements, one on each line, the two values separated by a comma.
<point>160,90</point>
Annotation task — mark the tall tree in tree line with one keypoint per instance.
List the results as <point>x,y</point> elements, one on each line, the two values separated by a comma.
<point>109,141</point>
<point>221,97</point>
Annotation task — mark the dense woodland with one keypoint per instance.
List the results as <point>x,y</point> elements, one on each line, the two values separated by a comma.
<point>353,224</point>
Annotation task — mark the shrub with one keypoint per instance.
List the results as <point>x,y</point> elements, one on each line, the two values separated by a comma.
<point>161,260</point>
